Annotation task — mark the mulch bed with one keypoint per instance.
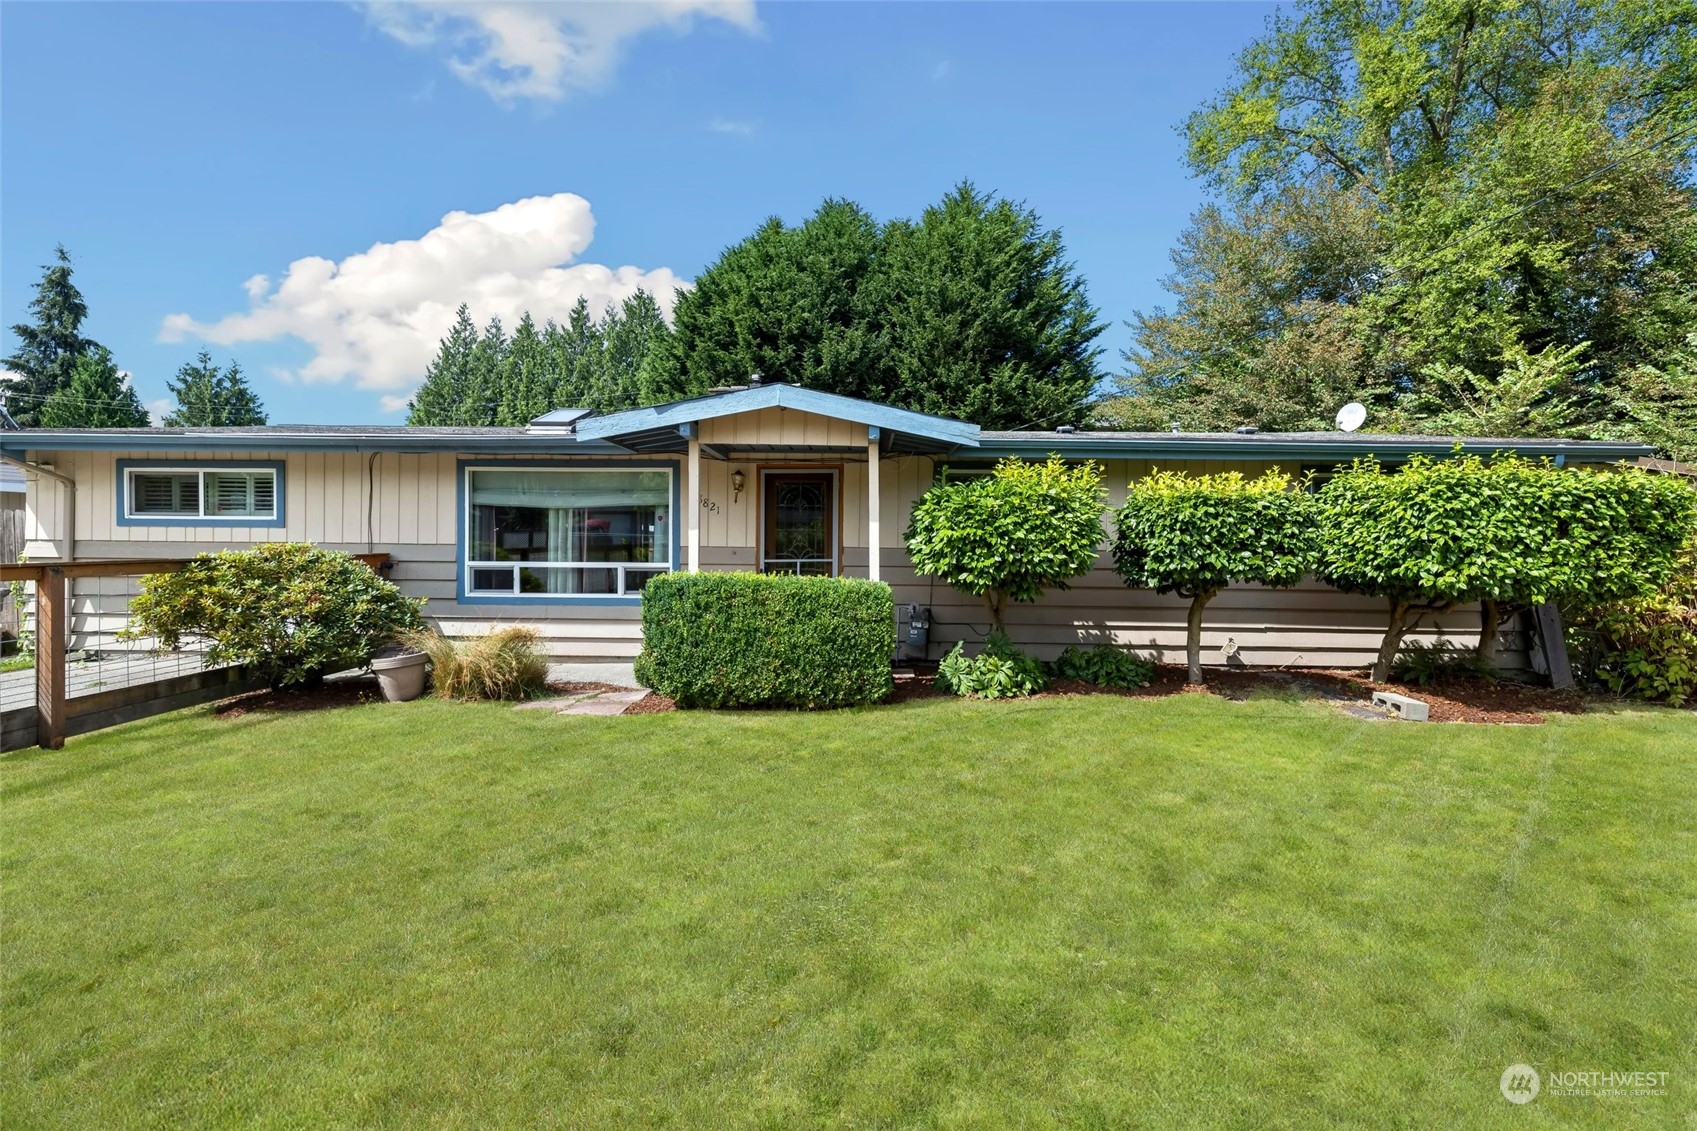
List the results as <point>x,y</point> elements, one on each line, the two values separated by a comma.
<point>651,704</point>
<point>1456,701</point>
<point>336,693</point>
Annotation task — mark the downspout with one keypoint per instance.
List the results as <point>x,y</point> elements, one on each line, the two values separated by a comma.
<point>370,499</point>
<point>70,503</point>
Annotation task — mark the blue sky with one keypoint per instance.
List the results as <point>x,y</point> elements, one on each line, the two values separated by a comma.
<point>180,150</point>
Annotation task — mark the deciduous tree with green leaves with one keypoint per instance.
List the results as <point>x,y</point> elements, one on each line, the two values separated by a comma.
<point>1494,184</point>
<point>1196,535</point>
<point>97,396</point>
<point>208,397</point>
<point>1026,528</point>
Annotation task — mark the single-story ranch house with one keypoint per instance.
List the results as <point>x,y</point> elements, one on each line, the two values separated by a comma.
<point>559,524</point>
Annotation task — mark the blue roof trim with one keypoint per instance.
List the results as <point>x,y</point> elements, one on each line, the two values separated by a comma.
<point>15,444</point>
<point>941,429</point>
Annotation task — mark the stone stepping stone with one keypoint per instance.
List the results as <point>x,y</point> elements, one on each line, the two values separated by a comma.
<point>604,703</point>
<point>558,703</point>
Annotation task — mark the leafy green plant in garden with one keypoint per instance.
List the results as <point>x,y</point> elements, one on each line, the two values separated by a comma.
<point>1105,666</point>
<point>1505,532</point>
<point>1196,535</point>
<point>1000,671</point>
<point>1011,535</point>
<point>289,611</point>
<point>1645,647</point>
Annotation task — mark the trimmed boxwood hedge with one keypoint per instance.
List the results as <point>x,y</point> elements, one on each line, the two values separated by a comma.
<point>757,640</point>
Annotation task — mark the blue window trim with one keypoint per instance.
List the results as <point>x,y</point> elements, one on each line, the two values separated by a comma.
<point>125,466</point>
<point>462,542</point>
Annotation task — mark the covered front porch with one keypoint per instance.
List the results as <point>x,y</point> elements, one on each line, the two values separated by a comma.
<point>778,478</point>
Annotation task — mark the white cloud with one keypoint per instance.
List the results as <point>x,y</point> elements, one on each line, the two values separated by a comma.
<point>393,403</point>
<point>540,50</point>
<point>160,408</point>
<point>731,126</point>
<point>378,316</point>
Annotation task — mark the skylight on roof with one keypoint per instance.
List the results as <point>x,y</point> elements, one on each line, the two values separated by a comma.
<point>560,417</point>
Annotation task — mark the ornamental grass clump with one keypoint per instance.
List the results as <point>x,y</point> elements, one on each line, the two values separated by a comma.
<point>1010,535</point>
<point>1196,535</point>
<point>289,611</point>
<point>502,665</point>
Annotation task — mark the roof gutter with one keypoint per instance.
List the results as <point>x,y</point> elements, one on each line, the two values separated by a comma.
<point>70,504</point>
<point>1085,448</point>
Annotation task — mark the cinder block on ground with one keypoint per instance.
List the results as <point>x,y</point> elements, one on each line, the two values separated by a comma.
<point>1407,709</point>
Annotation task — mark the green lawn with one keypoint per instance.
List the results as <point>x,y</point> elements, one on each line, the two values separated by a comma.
<point>1086,913</point>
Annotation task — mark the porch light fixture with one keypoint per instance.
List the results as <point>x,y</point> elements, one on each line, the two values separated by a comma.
<point>737,480</point>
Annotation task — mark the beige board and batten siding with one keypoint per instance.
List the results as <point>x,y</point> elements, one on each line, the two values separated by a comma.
<point>412,500</point>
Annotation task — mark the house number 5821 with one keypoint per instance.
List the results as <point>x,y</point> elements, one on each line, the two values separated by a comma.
<point>709,505</point>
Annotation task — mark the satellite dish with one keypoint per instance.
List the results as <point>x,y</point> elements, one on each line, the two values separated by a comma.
<point>1352,416</point>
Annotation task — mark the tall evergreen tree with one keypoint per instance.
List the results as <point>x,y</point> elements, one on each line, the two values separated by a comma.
<point>573,356</point>
<point>96,396</point>
<point>525,384</point>
<point>987,320</point>
<point>481,405</point>
<point>971,311</point>
<point>628,334</point>
<point>799,304</point>
<point>208,397</point>
<point>49,348</point>
<point>438,400</point>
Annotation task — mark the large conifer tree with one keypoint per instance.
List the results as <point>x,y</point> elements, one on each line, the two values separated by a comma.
<point>438,401</point>
<point>96,396</point>
<point>50,346</point>
<point>208,397</point>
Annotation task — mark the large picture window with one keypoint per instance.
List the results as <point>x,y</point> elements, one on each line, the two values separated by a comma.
<point>566,532</point>
<point>225,493</point>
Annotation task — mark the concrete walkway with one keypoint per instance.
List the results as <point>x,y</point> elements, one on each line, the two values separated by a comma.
<point>586,703</point>
<point>615,673</point>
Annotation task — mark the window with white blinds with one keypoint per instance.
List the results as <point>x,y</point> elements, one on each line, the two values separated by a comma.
<point>235,493</point>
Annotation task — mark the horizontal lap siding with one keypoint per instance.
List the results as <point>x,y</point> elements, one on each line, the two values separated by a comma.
<point>409,508</point>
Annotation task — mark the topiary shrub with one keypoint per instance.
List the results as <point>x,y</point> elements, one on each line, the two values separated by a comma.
<point>287,610</point>
<point>757,640</point>
<point>1012,534</point>
<point>1001,671</point>
<point>1105,666</point>
<point>503,664</point>
<point>1195,535</point>
<point>1437,533</point>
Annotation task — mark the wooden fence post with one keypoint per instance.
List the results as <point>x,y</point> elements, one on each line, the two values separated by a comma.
<point>50,625</point>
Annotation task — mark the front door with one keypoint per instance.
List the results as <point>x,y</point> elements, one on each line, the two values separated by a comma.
<point>799,523</point>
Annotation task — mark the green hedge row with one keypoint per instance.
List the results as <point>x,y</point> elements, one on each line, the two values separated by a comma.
<point>754,640</point>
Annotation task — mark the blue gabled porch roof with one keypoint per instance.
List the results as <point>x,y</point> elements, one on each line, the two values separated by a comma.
<point>661,427</point>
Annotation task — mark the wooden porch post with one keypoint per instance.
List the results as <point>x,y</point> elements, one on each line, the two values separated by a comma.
<point>50,625</point>
<point>692,498</point>
<point>873,501</point>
